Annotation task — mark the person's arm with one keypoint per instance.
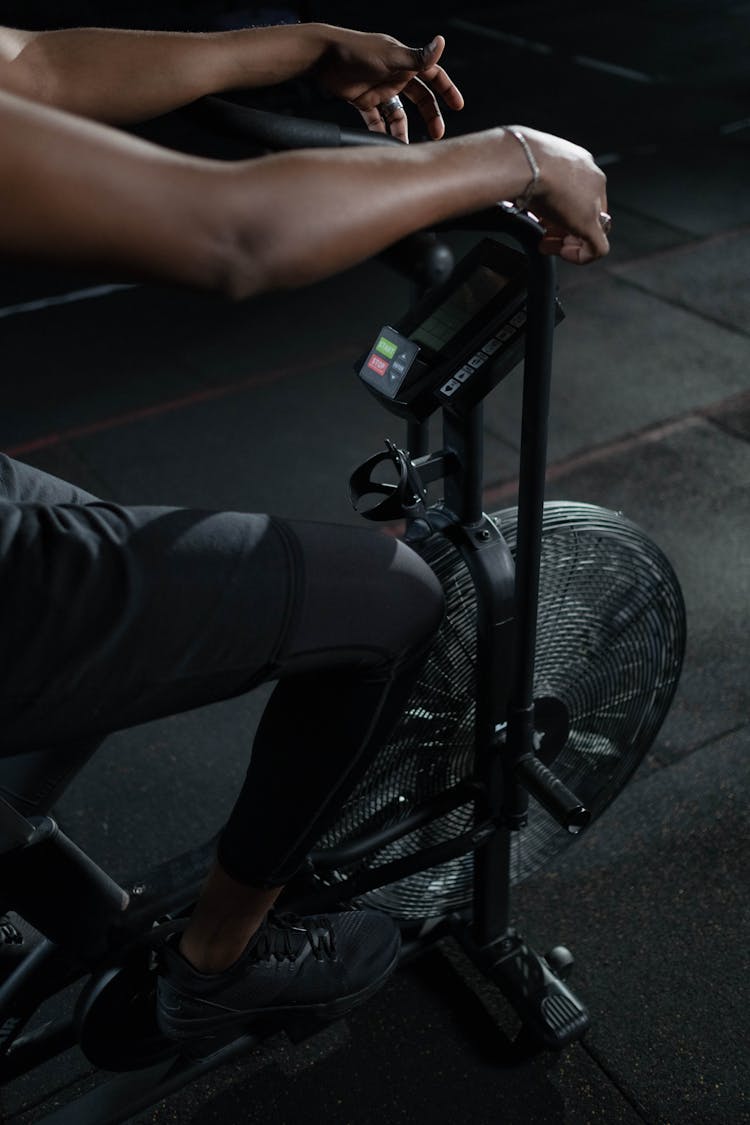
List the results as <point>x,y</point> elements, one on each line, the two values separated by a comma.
<point>127,76</point>
<point>82,193</point>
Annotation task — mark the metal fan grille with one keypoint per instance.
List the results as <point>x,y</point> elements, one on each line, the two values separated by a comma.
<point>609,646</point>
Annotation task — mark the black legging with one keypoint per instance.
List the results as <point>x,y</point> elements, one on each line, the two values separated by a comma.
<point>113,616</point>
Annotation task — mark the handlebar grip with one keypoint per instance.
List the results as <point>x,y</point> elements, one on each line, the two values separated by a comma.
<point>552,794</point>
<point>277,131</point>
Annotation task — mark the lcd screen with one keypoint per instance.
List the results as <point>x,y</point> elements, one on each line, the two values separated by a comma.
<point>447,320</point>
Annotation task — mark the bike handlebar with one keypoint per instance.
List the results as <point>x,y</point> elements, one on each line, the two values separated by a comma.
<point>279,131</point>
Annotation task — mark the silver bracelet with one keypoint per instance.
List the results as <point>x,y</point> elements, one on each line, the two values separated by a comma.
<point>523,201</point>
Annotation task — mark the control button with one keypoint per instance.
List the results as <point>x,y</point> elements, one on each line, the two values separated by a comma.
<point>398,367</point>
<point>449,388</point>
<point>477,360</point>
<point>378,365</point>
<point>386,347</point>
<point>519,319</point>
<point>464,374</point>
<point>505,333</point>
<point>491,346</point>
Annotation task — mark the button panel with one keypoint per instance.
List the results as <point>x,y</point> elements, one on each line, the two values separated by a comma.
<point>488,349</point>
<point>389,361</point>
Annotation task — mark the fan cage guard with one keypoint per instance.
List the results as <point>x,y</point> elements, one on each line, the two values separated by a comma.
<point>610,643</point>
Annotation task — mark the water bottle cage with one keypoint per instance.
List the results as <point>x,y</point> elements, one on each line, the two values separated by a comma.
<point>406,499</point>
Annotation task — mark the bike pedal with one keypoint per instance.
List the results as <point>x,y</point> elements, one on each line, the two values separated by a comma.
<point>564,1019</point>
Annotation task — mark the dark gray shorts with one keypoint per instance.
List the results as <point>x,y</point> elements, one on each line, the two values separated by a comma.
<point>112,616</point>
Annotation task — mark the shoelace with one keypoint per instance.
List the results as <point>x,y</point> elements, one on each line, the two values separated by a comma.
<point>279,937</point>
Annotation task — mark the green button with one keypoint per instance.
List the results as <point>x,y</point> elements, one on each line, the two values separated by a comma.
<point>386,347</point>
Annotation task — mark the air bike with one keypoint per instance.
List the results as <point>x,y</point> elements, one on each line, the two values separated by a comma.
<point>555,666</point>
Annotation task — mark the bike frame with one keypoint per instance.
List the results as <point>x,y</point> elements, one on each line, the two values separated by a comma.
<point>507,768</point>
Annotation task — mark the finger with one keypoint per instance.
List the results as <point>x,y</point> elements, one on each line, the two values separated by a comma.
<point>599,240</point>
<point>578,251</point>
<point>373,119</point>
<point>424,61</point>
<point>426,102</point>
<point>574,248</point>
<point>415,88</point>
<point>420,57</point>
<point>397,124</point>
<point>442,84</point>
<point>569,247</point>
<point>578,254</point>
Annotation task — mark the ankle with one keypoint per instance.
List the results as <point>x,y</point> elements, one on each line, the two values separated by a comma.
<point>226,917</point>
<point>215,953</point>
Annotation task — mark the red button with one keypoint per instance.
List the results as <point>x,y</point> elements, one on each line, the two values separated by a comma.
<point>378,365</point>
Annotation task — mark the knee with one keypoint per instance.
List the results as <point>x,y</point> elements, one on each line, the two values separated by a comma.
<point>363,597</point>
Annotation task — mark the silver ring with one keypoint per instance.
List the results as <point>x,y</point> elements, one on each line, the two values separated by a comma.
<point>605,221</point>
<point>389,107</point>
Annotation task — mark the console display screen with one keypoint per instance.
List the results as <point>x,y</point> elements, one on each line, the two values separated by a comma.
<point>447,320</point>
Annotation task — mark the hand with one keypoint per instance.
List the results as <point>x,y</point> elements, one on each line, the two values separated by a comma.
<point>570,197</point>
<point>367,69</point>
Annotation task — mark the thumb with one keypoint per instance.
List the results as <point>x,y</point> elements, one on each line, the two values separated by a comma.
<point>429,55</point>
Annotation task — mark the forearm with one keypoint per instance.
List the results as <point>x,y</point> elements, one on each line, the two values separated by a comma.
<point>78,193</point>
<point>317,212</point>
<point>81,193</point>
<point>127,76</point>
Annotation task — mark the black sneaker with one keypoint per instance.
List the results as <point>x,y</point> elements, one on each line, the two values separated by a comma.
<point>317,967</point>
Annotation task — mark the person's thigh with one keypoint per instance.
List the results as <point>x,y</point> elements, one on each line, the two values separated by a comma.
<point>113,616</point>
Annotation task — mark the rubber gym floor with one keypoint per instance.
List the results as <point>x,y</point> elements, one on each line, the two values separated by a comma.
<point>153,396</point>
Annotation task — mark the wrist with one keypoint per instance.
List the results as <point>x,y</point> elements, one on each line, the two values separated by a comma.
<point>515,172</point>
<point>531,189</point>
<point>265,56</point>
<point>316,40</point>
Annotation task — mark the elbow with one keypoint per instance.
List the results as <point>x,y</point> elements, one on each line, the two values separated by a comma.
<point>244,265</point>
<point>267,265</point>
<point>237,276</point>
<point>241,246</point>
<point>209,246</point>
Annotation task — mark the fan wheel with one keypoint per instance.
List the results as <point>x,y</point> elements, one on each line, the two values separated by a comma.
<point>610,643</point>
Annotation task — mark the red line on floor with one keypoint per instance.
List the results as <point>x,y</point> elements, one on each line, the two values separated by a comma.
<point>172,405</point>
<point>507,489</point>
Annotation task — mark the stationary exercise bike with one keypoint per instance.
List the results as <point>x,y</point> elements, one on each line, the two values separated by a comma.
<point>554,668</point>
